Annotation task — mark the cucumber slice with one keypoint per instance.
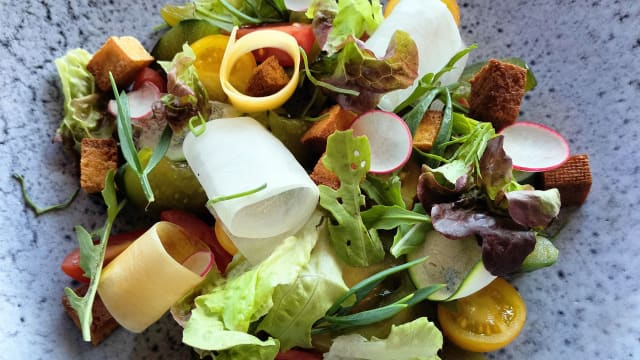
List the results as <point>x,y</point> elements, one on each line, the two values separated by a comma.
<point>543,255</point>
<point>186,31</point>
<point>455,263</point>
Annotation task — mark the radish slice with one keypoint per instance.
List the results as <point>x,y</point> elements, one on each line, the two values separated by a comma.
<point>140,101</point>
<point>200,262</point>
<point>534,147</point>
<point>389,139</point>
<point>297,5</point>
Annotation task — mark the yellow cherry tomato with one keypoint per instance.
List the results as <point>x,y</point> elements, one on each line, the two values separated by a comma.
<point>224,239</point>
<point>486,320</point>
<point>209,52</point>
<point>451,4</point>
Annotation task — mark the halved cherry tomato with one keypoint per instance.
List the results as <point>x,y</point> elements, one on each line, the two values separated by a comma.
<point>302,32</point>
<point>152,76</point>
<point>294,354</point>
<point>115,245</point>
<point>201,230</point>
<point>209,51</point>
<point>486,320</point>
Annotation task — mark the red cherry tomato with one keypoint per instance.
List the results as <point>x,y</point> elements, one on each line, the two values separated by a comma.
<point>152,76</point>
<point>115,245</point>
<point>302,32</point>
<point>201,230</point>
<point>297,355</point>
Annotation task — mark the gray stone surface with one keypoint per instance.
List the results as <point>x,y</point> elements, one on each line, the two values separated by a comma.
<point>584,53</point>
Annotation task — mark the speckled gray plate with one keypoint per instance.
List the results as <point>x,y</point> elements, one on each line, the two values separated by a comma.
<point>585,54</point>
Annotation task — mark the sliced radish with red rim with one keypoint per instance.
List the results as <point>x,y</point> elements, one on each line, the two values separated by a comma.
<point>200,262</point>
<point>389,139</point>
<point>140,101</point>
<point>534,147</point>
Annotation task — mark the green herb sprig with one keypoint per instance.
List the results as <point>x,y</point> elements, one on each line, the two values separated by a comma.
<point>125,134</point>
<point>340,316</point>
<point>92,258</point>
<point>218,199</point>
<point>42,210</point>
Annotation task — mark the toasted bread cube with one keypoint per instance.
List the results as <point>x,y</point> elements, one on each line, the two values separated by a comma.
<point>572,179</point>
<point>496,93</point>
<point>123,56</point>
<point>323,176</point>
<point>103,323</point>
<point>336,118</point>
<point>427,130</point>
<point>267,78</point>
<point>97,157</point>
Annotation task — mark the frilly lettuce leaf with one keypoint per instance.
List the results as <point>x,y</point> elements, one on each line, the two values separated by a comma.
<point>505,244</point>
<point>415,340</point>
<point>348,157</point>
<point>186,95</point>
<point>221,319</point>
<point>300,304</point>
<point>533,208</point>
<point>495,168</point>
<point>345,19</point>
<point>357,68</point>
<point>81,115</point>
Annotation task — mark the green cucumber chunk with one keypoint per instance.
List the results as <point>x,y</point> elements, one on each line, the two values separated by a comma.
<point>543,255</point>
<point>455,263</point>
<point>186,31</point>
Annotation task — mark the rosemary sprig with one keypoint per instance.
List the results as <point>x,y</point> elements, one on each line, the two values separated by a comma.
<point>42,210</point>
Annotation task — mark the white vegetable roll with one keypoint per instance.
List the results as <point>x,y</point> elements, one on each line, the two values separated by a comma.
<point>436,34</point>
<point>235,155</point>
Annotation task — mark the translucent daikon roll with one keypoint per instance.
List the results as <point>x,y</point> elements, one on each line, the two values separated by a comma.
<point>237,155</point>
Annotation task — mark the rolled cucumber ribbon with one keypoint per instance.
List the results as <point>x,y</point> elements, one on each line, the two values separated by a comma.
<point>141,284</point>
<point>236,155</point>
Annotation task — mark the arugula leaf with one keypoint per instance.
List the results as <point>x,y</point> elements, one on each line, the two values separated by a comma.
<point>390,217</point>
<point>384,191</point>
<point>92,257</point>
<point>409,236</point>
<point>348,157</point>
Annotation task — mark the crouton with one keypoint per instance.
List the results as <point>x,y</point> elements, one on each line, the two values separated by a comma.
<point>496,93</point>
<point>427,130</point>
<point>572,179</point>
<point>103,323</point>
<point>336,118</point>
<point>323,176</point>
<point>123,56</point>
<point>267,78</point>
<point>97,157</point>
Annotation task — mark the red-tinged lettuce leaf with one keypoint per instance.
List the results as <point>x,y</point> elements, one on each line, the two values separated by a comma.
<point>357,68</point>
<point>533,208</point>
<point>495,168</point>
<point>505,244</point>
<point>443,184</point>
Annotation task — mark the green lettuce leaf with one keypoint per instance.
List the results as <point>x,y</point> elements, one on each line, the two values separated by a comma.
<point>384,190</point>
<point>222,317</point>
<point>409,237</point>
<point>347,18</point>
<point>418,339</point>
<point>357,68</point>
<point>348,157</point>
<point>82,117</point>
<point>300,304</point>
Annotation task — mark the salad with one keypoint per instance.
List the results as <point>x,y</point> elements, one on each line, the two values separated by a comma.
<point>323,180</point>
